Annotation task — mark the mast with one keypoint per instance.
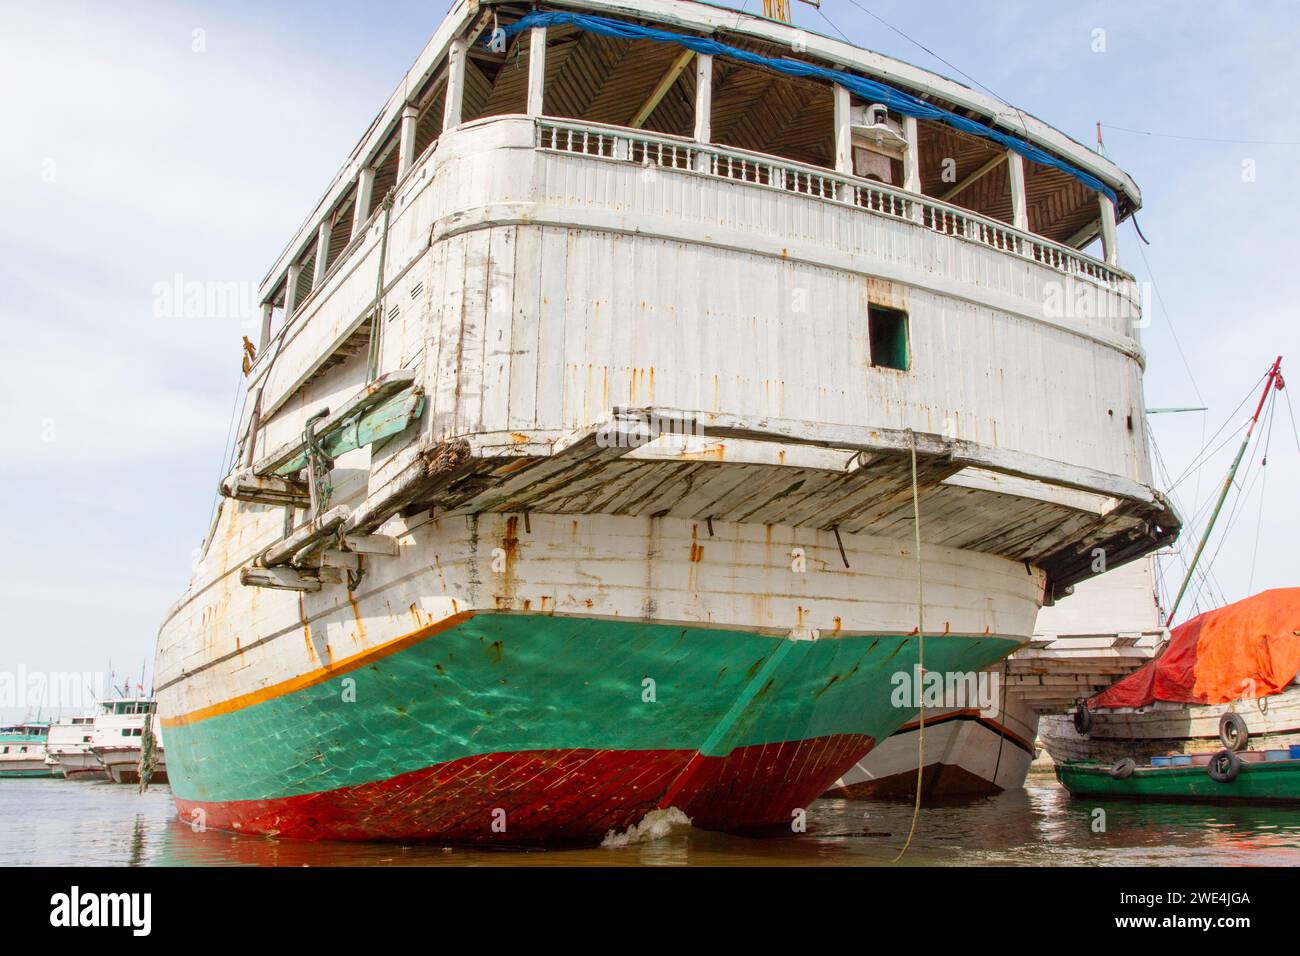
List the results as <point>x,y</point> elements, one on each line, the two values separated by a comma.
<point>1272,380</point>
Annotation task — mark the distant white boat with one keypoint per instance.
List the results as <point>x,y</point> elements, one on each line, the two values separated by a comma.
<point>68,749</point>
<point>119,737</point>
<point>22,751</point>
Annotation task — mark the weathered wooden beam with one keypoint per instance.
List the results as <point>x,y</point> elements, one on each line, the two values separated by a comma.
<point>365,194</point>
<point>344,560</point>
<point>372,544</point>
<point>310,534</point>
<point>742,451</point>
<point>279,579</point>
<point>974,177</point>
<point>912,158</point>
<point>1109,243</point>
<point>268,490</point>
<point>291,291</point>
<point>1084,235</point>
<point>268,309</point>
<point>536,70</point>
<point>322,252</point>
<point>843,131</point>
<point>1019,205</point>
<point>454,105</point>
<point>406,139</point>
<point>668,81</point>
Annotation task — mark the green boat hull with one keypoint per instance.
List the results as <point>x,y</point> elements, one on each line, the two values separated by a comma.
<point>1268,782</point>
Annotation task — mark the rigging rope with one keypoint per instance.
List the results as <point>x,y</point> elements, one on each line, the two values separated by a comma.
<point>1263,489</point>
<point>920,647</point>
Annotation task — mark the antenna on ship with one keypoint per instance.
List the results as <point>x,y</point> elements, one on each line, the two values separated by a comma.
<point>1272,381</point>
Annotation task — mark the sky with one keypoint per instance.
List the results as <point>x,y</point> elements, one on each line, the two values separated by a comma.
<point>150,144</point>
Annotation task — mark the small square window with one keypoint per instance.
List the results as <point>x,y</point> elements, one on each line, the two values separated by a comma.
<point>888,330</point>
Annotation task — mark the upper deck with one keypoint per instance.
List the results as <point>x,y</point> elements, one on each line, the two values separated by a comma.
<point>801,124</point>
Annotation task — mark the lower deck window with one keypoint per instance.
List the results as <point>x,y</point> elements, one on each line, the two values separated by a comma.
<point>888,331</point>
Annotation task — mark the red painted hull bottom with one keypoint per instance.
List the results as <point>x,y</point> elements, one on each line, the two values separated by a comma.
<point>554,798</point>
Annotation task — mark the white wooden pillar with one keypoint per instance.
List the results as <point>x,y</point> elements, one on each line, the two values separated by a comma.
<point>268,310</point>
<point>322,253</point>
<point>912,159</point>
<point>1109,243</point>
<point>365,193</point>
<point>703,107</point>
<point>843,132</point>
<point>291,291</point>
<point>406,140</point>
<point>455,103</point>
<point>1019,209</point>
<point>536,70</point>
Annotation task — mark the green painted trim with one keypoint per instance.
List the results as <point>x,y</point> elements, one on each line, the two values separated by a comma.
<point>500,683</point>
<point>375,424</point>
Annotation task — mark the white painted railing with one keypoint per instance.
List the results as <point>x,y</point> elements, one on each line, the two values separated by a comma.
<point>667,152</point>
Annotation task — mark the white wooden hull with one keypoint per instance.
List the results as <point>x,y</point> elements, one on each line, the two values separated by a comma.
<point>591,566</point>
<point>31,763</point>
<point>1164,728</point>
<point>82,765</point>
<point>122,765</point>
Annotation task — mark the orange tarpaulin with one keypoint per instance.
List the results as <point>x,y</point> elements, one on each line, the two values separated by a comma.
<point>1248,649</point>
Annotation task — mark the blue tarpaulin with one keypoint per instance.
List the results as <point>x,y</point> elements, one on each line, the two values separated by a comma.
<point>875,92</point>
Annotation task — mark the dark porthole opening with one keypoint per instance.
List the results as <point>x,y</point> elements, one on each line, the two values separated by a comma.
<point>888,330</point>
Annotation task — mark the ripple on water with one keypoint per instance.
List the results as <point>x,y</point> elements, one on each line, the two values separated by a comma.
<point>54,822</point>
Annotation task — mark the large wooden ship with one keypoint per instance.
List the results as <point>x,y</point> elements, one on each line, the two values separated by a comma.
<point>593,411</point>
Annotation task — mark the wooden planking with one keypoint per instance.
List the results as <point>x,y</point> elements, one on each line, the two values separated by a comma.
<point>498,345</point>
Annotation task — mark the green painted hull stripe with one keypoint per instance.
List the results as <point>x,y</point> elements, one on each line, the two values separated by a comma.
<point>502,683</point>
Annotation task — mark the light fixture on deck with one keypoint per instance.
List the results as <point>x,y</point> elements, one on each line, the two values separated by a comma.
<point>878,140</point>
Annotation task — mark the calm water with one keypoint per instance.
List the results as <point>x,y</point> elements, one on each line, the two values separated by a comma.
<point>53,822</point>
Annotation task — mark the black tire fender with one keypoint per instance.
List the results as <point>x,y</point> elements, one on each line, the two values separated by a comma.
<point>1233,732</point>
<point>1224,766</point>
<point>1123,768</point>
<point>1082,719</point>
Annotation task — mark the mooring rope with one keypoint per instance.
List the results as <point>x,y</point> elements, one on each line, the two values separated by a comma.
<point>920,647</point>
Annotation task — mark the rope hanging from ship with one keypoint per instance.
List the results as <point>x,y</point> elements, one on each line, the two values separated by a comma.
<point>897,100</point>
<point>920,646</point>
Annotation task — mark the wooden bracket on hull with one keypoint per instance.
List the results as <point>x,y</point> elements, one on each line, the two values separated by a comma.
<point>381,544</point>
<point>343,560</point>
<point>270,490</point>
<point>279,579</point>
<point>305,538</point>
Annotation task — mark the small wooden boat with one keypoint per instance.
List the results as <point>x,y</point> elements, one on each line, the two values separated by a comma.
<point>1254,776</point>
